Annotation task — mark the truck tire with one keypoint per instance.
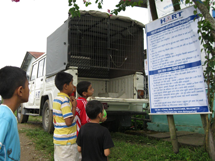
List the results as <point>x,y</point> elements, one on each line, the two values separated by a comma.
<point>47,117</point>
<point>21,117</point>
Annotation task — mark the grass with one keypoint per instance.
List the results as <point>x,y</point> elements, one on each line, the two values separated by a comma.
<point>140,148</point>
<point>43,141</point>
<point>127,148</point>
<point>35,119</point>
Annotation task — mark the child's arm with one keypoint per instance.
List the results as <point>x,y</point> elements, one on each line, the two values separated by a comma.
<point>79,140</point>
<point>69,120</point>
<point>74,104</point>
<point>107,152</point>
<point>108,142</point>
<point>79,149</point>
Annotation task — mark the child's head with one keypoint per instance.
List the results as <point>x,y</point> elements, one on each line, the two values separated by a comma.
<point>64,82</point>
<point>13,80</point>
<point>94,110</point>
<point>85,89</point>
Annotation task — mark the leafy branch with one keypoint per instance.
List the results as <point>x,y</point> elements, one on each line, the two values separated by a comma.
<point>121,6</point>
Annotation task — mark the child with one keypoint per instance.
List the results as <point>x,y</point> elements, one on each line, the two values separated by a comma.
<point>94,141</point>
<point>14,90</point>
<point>85,90</point>
<point>65,147</point>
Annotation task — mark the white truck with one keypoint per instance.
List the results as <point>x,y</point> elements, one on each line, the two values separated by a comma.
<point>107,51</point>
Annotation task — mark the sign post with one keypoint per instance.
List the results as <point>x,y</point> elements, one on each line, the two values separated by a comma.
<point>172,132</point>
<point>176,82</point>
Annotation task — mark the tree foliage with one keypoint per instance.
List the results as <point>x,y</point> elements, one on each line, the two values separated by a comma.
<point>121,6</point>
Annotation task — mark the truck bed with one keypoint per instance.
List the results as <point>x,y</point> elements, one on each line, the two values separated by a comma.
<point>122,104</point>
<point>118,94</point>
<point>120,87</point>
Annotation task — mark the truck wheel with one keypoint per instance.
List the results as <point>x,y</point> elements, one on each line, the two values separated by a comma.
<point>20,117</point>
<point>47,118</point>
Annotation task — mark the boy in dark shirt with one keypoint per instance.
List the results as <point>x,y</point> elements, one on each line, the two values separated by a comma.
<point>94,141</point>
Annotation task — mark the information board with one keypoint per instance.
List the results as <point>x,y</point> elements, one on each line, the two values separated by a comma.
<point>176,82</point>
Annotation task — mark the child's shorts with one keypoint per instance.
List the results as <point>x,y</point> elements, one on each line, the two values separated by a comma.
<point>66,153</point>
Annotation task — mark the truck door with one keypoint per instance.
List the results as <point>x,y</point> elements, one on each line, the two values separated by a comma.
<point>39,82</point>
<point>32,85</point>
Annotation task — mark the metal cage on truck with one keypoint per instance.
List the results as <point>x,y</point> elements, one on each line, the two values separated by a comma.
<point>99,45</point>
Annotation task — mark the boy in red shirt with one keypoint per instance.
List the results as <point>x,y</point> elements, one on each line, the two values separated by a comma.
<point>85,90</point>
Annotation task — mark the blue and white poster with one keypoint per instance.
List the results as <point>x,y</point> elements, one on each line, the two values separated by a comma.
<point>176,82</point>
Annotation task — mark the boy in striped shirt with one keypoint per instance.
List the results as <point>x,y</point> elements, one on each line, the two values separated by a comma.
<point>65,147</point>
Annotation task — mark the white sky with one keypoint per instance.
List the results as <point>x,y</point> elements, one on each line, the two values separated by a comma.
<point>25,26</point>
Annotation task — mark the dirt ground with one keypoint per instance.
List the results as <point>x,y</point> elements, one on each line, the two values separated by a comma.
<point>28,151</point>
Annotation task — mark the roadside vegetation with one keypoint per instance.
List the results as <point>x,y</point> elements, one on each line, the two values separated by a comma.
<point>127,147</point>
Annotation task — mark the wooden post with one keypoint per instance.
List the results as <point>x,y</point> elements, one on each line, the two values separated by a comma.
<point>153,10</point>
<point>209,141</point>
<point>170,118</point>
<point>173,134</point>
<point>176,5</point>
<point>204,118</point>
<point>204,121</point>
